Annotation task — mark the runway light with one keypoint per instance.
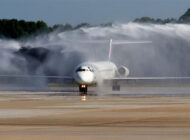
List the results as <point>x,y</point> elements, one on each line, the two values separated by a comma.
<point>83,98</point>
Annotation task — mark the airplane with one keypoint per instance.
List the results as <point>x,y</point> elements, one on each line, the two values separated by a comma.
<point>89,73</point>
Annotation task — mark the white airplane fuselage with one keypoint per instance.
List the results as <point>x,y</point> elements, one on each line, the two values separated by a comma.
<point>94,72</point>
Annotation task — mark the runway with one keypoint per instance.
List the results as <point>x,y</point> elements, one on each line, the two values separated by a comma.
<point>128,114</point>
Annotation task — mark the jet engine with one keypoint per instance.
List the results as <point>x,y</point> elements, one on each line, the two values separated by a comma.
<point>123,71</point>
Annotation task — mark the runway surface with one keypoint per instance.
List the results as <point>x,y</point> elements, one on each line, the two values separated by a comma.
<point>144,113</point>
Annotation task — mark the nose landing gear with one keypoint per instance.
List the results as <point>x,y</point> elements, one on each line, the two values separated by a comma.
<point>83,89</point>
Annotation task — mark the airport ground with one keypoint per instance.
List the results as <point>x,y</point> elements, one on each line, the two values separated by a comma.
<point>137,113</point>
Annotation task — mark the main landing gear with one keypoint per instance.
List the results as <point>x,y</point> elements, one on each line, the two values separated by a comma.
<point>83,89</point>
<point>115,86</point>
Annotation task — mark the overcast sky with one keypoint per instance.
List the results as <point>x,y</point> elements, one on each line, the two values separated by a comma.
<point>91,11</point>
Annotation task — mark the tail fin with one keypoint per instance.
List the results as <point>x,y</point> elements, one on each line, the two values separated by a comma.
<point>110,51</point>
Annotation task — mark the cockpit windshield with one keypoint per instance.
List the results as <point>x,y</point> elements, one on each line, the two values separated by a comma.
<point>80,69</point>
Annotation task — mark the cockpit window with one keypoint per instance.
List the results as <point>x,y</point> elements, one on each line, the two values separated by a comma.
<point>80,69</point>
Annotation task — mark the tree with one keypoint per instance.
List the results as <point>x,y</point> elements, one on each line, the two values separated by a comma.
<point>145,20</point>
<point>61,27</point>
<point>82,25</point>
<point>19,28</point>
<point>185,18</point>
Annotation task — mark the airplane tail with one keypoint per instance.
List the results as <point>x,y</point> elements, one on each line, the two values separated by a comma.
<point>115,42</point>
<point>110,50</point>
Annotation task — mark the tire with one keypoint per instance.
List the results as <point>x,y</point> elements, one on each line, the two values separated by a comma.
<point>83,90</point>
<point>116,87</point>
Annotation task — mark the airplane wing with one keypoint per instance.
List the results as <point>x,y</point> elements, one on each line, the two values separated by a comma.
<point>119,80</point>
<point>38,76</point>
<point>148,78</point>
<point>68,79</point>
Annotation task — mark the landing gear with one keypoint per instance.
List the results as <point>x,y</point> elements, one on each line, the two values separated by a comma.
<point>83,89</point>
<point>115,87</point>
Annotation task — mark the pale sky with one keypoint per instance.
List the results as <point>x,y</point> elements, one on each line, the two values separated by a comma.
<point>91,11</point>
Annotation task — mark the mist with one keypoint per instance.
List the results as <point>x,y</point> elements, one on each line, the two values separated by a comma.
<point>167,55</point>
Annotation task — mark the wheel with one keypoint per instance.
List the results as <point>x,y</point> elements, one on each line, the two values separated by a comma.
<point>83,89</point>
<point>116,87</point>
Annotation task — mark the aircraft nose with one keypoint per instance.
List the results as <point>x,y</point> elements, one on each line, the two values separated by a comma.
<point>85,77</point>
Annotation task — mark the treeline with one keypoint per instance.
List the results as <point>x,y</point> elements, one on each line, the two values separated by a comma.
<point>19,28</point>
<point>16,29</point>
<point>185,18</point>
